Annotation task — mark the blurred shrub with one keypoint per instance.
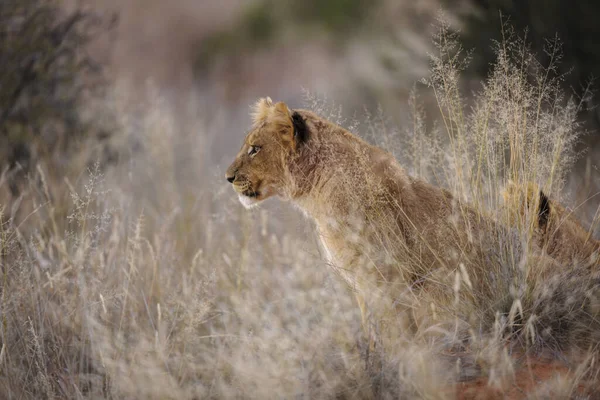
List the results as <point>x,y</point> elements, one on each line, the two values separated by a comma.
<point>265,21</point>
<point>573,23</point>
<point>47,73</point>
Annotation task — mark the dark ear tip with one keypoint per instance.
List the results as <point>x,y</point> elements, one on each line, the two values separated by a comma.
<point>544,211</point>
<point>300,129</point>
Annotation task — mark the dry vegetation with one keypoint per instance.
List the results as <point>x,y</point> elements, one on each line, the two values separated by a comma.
<point>148,280</point>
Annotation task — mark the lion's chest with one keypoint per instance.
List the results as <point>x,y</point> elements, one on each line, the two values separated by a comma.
<point>336,259</point>
<point>352,256</point>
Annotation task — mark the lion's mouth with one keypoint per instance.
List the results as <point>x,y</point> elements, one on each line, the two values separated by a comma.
<point>249,198</point>
<point>251,193</point>
<point>246,189</point>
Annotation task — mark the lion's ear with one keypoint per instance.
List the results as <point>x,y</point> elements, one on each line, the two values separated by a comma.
<point>279,117</point>
<point>261,110</point>
<point>282,110</point>
<point>544,210</point>
<point>300,128</point>
<point>282,119</point>
<point>291,125</point>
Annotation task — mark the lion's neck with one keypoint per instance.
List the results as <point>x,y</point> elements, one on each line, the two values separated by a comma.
<point>314,176</point>
<point>334,171</point>
<point>327,176</point>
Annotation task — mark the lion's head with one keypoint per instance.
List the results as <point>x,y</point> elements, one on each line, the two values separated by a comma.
<point>259,169</point>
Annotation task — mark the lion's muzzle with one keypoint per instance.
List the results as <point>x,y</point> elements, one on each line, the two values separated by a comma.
<point>231,174</point>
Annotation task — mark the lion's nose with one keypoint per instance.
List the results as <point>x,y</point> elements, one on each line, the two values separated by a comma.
<point>230,178</point>
<point>231,173</point>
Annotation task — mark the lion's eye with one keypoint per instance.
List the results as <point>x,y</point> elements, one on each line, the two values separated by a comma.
<point>253,150</point>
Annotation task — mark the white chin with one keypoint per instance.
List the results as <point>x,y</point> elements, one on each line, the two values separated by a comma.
<point>248,202</point>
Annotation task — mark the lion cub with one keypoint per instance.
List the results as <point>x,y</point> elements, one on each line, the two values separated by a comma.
<point>381,229</point>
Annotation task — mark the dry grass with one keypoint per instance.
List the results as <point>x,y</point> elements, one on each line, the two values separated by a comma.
<point>148,280</point>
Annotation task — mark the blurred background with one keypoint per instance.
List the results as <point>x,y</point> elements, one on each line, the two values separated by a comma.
<point>209,60</point>
<point>128,267</point>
